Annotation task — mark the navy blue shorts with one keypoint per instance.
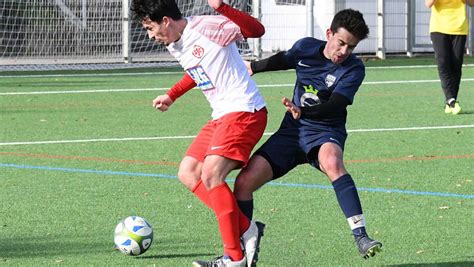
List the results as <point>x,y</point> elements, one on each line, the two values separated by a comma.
<point>292,146</point>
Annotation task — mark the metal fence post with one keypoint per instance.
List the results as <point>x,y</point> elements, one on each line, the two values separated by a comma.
<point>380,29</point>
<point>126,32</point>
<point>410,28</point>
<point>257,42</point>
<point>309,18</point>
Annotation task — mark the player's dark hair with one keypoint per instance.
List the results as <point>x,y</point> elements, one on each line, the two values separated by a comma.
<point>155,10</point>
<point>351,20</point>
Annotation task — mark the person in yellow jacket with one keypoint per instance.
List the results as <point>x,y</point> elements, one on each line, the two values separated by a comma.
<point>448,31</point>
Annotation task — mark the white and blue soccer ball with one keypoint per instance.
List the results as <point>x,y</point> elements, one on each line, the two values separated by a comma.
<point>133,235</point>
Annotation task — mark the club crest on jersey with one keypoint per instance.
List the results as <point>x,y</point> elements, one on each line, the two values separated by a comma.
<point>198,51</point>
<point>310,97</point>
<point>310,89</point>
<point>330,79</point>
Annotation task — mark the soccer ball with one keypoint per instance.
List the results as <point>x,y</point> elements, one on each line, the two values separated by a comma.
<point>133,235</point>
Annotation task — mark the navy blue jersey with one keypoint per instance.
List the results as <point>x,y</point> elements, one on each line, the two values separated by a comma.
<point>297,141</point>
<point>317,78</point>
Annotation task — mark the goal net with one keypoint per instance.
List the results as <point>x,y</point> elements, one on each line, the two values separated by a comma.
<point>84,32</point>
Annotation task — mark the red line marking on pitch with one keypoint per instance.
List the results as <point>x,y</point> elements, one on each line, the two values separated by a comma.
<point>409,158</point>
<point>163,163</point>
<point>175,164</point>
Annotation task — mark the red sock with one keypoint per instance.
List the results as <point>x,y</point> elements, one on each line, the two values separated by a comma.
<point>244,222</point>
<point>227,214</point>
<point>201,192</point>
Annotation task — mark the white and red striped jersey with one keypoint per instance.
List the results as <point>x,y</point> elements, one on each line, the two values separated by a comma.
<point>208,53</point>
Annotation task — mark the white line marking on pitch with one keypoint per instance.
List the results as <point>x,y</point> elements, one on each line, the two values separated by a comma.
<point>181,72</point>
<point>166,88</point>
<point>193,136</point>
<point>84,91</point>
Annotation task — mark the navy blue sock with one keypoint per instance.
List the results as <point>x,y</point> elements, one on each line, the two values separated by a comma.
<point>346,193</point>
<point>246,206</point>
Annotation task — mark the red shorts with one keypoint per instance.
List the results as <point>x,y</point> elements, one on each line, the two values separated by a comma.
<point>232,136</point>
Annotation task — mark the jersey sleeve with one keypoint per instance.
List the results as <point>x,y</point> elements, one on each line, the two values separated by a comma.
<point>351,81</point>
<point>275,62</point>
<point>249,26</point>
<point>218,29</point>
<point>181,87</point>
<point>333,108</point>
<point>291,56</point>
<point>232,25</point>
<point>301,49</point>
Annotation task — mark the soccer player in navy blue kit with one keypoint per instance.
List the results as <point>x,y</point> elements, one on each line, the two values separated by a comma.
<point>313,130</point>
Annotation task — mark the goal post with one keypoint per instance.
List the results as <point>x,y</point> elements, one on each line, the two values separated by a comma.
<point>85,32</point>
<point>60,31</point>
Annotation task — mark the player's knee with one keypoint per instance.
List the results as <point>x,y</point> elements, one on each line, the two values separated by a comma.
<point>248,181</point>
<point>242,187</point>
<point>211,177</point>
<point>189,179</point>
<point>332,166</point>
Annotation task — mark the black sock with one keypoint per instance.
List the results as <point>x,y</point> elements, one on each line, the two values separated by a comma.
<point>346,193</point>
<point>246,206</point>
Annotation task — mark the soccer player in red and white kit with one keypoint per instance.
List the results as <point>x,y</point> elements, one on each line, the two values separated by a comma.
<point>206,49</point>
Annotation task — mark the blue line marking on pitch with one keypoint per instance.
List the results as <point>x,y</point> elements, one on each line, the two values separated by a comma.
<point>88,171</point>
<point>165,176</point>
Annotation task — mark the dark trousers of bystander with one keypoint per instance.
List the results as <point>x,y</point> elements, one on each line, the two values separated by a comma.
<point>449,54</point>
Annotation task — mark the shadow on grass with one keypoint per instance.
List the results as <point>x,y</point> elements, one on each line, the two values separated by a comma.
<point>50,245</point>
<point>50,84</point>
<point>439,264</point>
<point>467,112</point>
<point>182,255</point>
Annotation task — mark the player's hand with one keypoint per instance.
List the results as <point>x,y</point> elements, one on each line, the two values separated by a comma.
<point>430,3</point>
<point>292,108</point>
<point>162,102</point>
<point>215,3</point>
<point>249,68</point>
